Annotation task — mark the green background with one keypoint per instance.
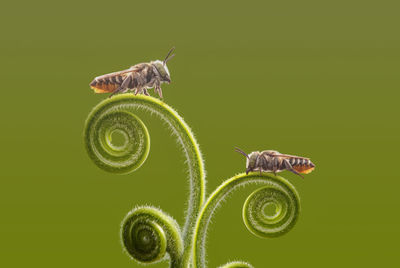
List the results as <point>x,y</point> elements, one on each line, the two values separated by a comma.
<point>312,78</point>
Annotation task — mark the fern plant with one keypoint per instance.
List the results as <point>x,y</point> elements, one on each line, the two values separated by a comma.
<point>150,235</point>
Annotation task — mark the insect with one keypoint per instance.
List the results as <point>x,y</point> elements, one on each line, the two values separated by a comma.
<point>273,161</point>
<point>139,77</point>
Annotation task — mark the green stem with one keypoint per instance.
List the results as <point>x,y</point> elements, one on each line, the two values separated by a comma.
<point>276,190</point>
<point>148,233</point>
<point>118,114</point>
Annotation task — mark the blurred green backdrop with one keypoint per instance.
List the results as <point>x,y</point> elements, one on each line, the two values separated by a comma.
<point>313,78</point>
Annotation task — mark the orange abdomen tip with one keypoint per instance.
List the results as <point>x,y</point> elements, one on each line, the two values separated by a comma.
<point>303,166</point>
<point>101,87</point>
<point>304,169</point>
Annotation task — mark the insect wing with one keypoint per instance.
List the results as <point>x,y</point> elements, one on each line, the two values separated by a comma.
<point>290,156</point>
<point>120,73</point>
<point>112,81</point>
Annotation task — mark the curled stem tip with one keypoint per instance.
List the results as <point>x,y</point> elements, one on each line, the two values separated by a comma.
<point>98,141</point>
<point>276,190</point>
<point>147,234</point>
<point>286,209</point>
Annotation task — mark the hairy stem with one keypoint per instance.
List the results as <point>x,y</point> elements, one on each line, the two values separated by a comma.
<point>276,190</point>
<point>237,264</point>
<point>148,233</point>
<point>118,114</point>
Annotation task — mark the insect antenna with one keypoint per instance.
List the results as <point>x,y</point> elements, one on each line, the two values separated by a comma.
<point>241,152</point>
<point>167,58</point>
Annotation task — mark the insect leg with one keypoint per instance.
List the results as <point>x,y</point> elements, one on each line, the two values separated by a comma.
<point>262,163</point>
<point>248,170</point>
<point>157,88</point>
<point>275,165</point>
<point>258,164</point>
<point>118,90</point>
<point>145,92</point>
<point>160,92</point>
<point>123,86</point>
<point>289,167</point>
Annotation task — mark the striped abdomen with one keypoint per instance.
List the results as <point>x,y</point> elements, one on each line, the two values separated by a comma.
<point>302,165</point>
<point>107,83</point>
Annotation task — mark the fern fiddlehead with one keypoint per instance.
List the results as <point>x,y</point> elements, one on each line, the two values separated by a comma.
<point>118,114</point>
<point>147,233</point>
<point>276,190</point>
<point>126,158</point>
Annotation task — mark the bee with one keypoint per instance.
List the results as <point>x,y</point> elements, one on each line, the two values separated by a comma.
<point>139,77</point>
<point>273,161</point>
